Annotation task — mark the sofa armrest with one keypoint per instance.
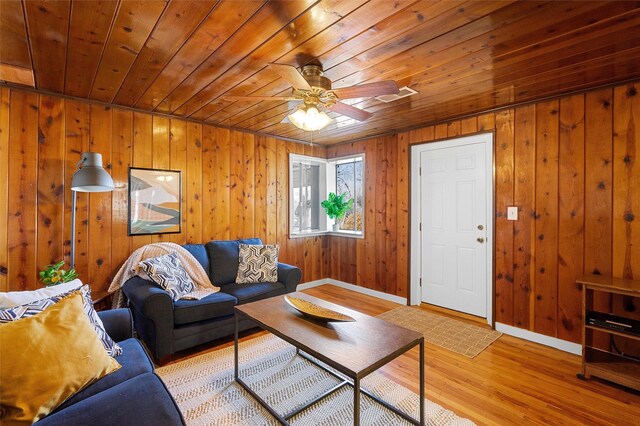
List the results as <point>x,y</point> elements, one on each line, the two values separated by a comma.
<point>290,276</point>
<point>118,323</point>
<point>152,310</point>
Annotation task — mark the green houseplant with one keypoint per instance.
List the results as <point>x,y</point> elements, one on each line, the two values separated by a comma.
<point>53,274</point>
<point>336,208</point>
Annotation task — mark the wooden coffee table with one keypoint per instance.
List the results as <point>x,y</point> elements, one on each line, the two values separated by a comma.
<point>354,349</point>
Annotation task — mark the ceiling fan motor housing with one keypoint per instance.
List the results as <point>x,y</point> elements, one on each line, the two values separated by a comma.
<point>314,76</point>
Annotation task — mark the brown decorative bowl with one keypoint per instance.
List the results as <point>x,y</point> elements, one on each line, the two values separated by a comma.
<point>317,312</point>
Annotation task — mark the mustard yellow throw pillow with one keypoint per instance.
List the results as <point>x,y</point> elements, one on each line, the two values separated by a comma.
<point>47,358</point>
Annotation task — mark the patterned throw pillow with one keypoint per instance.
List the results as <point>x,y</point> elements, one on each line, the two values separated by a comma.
<point>258,264</point>
<point>168,273</point>
<point>33,308</point>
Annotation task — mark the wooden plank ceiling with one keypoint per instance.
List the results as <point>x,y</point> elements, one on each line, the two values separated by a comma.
<point>180,57</point>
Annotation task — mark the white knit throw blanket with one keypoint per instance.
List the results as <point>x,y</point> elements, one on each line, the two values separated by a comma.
<point>190,264</point>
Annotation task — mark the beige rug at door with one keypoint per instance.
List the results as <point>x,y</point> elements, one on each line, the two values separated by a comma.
<point>206,393</point>
<point>457,336</point>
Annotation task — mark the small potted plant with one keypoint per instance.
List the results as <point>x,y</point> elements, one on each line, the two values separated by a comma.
<point>53,274</point>
<point>336,208</point>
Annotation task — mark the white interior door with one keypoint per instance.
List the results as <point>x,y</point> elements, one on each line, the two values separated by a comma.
<point>453,223</point>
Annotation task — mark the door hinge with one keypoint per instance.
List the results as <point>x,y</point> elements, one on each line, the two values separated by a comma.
<point>420,226</point>
<point>419,171</point>
<point>420,282</point>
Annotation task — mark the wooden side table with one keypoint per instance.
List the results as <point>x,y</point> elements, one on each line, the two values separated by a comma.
<point>597,362</point>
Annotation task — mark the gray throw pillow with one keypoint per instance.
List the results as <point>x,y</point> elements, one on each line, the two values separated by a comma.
<point>168,273</point>
<point>34,308</point>
<point>258,264</point>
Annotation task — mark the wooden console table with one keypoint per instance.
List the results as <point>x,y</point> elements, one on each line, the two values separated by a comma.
<point>597,362</point>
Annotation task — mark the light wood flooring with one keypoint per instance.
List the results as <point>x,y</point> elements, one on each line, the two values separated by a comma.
<point>512,382</point>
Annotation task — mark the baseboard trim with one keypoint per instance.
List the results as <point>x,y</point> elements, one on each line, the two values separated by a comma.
<point>553,342</point>
<point>367,291</point>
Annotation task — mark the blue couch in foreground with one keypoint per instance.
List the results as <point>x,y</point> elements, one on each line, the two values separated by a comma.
<point>132,395</point>
<point>168,327</point>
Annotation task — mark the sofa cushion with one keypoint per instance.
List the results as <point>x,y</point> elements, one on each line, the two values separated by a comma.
<point>46,358</point>
<point>142,401</point>
<point>33,308</point>
<point>213,306</point>
<point>134,361</point>
<point>251,292</point>
<point>200,253</point>
<point>223,258</point>
<point>258,263</point>
<point>168,273</point>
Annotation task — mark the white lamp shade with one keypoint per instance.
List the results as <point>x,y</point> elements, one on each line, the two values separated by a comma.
<point>309,119</point>
<point>91,177</point>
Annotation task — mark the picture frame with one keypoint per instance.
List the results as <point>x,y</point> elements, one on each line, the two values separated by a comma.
<point>155,201</point>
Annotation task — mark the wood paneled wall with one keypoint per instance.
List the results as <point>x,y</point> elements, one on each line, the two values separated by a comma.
<point>234,185</point>
<point>570,165</point>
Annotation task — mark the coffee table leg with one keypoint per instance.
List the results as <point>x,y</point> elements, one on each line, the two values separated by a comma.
<point>422,381</point>
<point>356,402</point>
<point>235,348</point>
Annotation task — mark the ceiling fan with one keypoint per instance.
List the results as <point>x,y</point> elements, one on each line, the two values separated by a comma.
<point>314,90</point>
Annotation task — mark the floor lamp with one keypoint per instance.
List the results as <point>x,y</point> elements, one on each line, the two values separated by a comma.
<point>90,177</point>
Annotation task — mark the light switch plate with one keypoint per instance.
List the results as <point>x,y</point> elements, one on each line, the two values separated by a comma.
<point>512,213</point>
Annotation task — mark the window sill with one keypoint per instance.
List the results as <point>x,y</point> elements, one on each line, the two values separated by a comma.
<point>346,234</point>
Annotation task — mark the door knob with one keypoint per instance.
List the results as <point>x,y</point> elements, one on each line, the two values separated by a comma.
<point>480,239</point>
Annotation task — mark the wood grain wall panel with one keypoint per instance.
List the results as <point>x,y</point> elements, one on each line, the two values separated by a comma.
<point>223,182</point>
<point>248,188</point>
<point>236,185</point>
<point>78,125</point>
<point>598,241</point>
<point>570,217</point>
<point>270,183</point>
<point>178,161</point>
<point>23,184</point>
<point>48,48</point>
<point>402,217</point>
<point>260,154</point>
<point>121,156</point>
<point>4,184</point>
<point>210,226</point>
<point>504,172</point>
<point>51,143</point>
<point>100,202</point>
<point>545,285</point>
<point>142,157</point>
<point>626,202</point>
<point>282,200</point>
<point>193,206</point>
<point>524,228</point>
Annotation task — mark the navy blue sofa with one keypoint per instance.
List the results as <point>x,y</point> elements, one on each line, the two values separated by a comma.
<point>168,327</point>
<point>132,395</point>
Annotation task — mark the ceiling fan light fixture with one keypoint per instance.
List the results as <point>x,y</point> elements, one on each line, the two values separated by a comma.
<point>309,118</point>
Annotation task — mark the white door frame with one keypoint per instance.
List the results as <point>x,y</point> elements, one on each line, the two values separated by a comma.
<point>487,138</point>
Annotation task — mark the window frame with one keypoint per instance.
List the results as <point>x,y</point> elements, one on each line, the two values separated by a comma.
<point>327,183</point>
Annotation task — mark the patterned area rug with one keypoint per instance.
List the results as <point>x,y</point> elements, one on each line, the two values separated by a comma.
<point>457,336</point>
<point>206,393</point>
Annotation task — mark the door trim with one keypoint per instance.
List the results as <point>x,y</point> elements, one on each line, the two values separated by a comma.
<point>415,296</point>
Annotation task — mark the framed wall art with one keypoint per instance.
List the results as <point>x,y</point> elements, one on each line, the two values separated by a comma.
<point>154,201</point>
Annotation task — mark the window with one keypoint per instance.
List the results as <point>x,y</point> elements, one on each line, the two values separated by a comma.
<point>311,179</point>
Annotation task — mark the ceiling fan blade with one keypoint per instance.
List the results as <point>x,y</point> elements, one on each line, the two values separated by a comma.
<point>260,98</point>
<point>349,111</point>
<point>386,87</point>
<point>292,75</point>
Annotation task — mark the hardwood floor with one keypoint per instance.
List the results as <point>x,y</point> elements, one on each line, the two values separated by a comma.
<point>512,382</point>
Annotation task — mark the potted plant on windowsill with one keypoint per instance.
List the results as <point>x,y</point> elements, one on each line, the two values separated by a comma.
<point>336,208</point>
